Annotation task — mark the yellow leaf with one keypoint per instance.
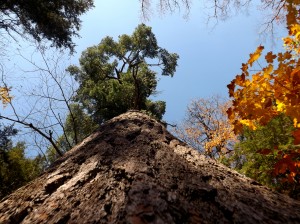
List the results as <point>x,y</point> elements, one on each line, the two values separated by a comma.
<point>4,95</point>
<point>295,30</point>
<point>267,71</point>
<point>295,121</point>
<point>248,123</point>
<point>255,55</point>
<point>280,106</point>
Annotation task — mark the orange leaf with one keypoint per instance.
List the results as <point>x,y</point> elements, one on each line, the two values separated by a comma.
<point>229,113</point>
<point>291,177</point>
<point>268,103</point>
<point>264,151</point>
<point>270,57</point>
<point>287,55</point>
<point>244,67</point>
<point>231,87</point>
<point>281,166</point>
<point>296,135</point>
<point>240,80</point>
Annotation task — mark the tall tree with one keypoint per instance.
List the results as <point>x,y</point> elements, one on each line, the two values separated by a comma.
<point>273,90</point>
<point>115,76</point>
<point>207,128</point>
<point>57,21</point>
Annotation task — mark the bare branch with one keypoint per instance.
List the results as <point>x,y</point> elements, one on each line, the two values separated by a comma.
<point>36,129</point>
<point>48,100</point>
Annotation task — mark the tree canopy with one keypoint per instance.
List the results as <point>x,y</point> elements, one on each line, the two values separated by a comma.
<point>274,89</point>
<point>115,76</point>
<point>57,21</point>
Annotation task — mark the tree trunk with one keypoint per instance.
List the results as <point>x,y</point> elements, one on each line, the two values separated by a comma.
<point>133,171</point>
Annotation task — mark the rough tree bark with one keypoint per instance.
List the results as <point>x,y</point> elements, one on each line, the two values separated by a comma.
<point>133,171</point>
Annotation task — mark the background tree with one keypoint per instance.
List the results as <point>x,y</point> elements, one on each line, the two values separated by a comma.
<point>273,90</point>
<point>115,76</point>
<point>207,128</point>
<point>254,157</point>
<point>15,168</point>
<point>57,21</point>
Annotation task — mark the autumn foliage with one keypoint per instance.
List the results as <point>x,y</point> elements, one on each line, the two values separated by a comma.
<point>4,95</point>
<point>207,128</point>
<point>275,89</point>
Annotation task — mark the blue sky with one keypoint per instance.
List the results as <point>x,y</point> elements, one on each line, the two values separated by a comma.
<point>210,56</point>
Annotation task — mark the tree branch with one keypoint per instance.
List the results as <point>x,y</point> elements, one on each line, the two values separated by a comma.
<point>30,125</point>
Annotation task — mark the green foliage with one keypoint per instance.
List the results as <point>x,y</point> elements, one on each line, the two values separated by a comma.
<point>156,109</point>
<point>15,169</point>
<point>254,156</point>
<point>57,21</point>
<point>116,76</point>
<point>80,123</point>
